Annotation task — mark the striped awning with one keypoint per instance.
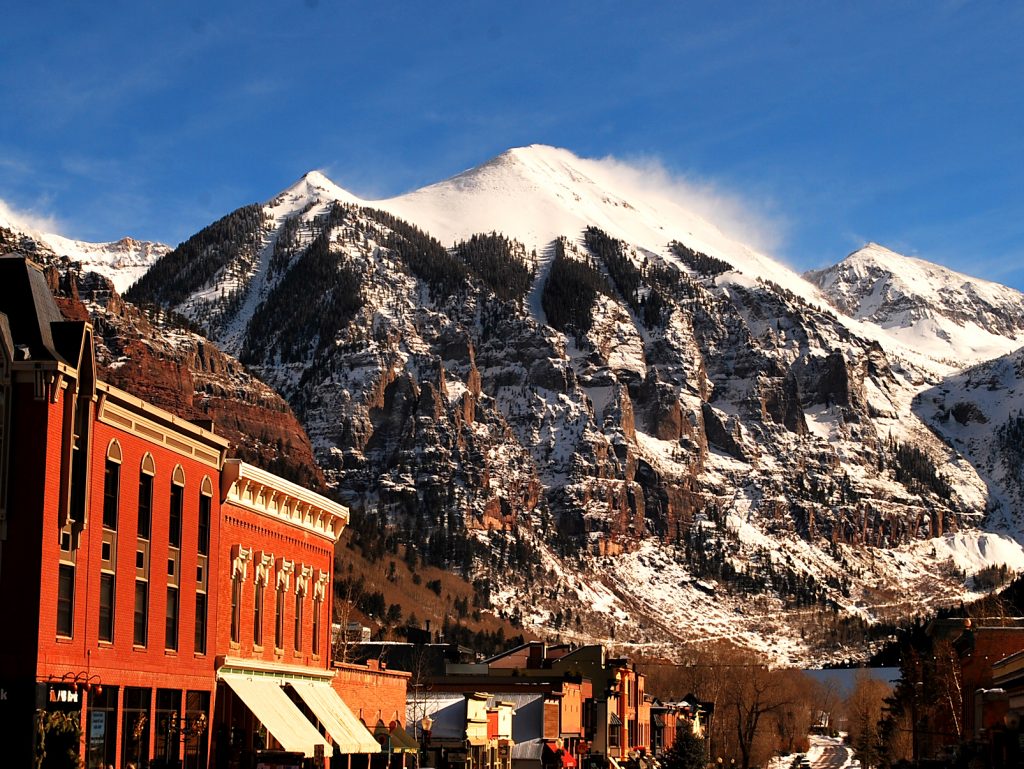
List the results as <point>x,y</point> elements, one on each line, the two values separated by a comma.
<point>268,702</point>
<point>350,734</point>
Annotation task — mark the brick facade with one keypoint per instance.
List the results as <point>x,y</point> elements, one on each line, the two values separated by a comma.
<point>130,547</point>
<point>372,692</point>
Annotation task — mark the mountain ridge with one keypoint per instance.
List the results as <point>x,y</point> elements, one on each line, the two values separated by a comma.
<point>649,441</point>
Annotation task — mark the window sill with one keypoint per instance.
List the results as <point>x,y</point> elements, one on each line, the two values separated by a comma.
<point>257,648</point>
<point>65,639</point>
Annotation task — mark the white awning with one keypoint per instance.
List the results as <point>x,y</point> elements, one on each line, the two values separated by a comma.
<point>271,706</point>
<point>330,709</point>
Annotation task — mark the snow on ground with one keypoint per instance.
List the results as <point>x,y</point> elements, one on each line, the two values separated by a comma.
<point>971,551</point>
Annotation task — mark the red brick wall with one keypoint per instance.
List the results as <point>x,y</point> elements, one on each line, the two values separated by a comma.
<point>263,533</point>
<point>372,693</point>
<point>121,660</point>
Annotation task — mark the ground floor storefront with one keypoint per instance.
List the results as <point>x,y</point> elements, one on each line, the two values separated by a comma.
<point>243,718</point>
<point>117,725</point>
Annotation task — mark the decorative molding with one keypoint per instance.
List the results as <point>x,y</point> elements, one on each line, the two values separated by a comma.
<point>181,437</point>
<point>284,568</point>
<point>323,578</point>
<point>258,491</point>
<point>263,563</point>
<point>240,557</point>
<point>302,577</point>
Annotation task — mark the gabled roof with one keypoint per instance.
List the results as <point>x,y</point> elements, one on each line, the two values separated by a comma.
<point>30,309</point>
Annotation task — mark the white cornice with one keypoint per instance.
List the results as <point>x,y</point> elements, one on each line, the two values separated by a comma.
<point>250,666</point>
<point>253,489</point>
<point>133,415</point>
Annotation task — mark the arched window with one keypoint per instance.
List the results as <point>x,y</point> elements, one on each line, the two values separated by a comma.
<point>177,506</point>
<point>112,486</point>
<point>146,474</point>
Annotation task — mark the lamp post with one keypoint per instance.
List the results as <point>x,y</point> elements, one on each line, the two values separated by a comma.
<point>425,725</point>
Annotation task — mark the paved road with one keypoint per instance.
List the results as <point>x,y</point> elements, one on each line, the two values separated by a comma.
<point>830,753</point>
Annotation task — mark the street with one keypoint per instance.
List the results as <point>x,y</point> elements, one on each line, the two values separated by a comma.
<point>830,753</point>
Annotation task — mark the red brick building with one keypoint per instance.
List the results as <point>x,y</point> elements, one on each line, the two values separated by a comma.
<point>174,604</point>
<point>970,651</point>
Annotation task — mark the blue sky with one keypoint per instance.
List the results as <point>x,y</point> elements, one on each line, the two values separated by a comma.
<point>837,123</point>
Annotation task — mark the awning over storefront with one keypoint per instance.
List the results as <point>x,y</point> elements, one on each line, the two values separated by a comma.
<point>330,709</point>
<point>614,719</point>
<point>401,742</point>
<point>268,703</point>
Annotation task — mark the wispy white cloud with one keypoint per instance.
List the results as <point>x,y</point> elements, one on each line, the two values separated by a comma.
<point>32,221</point>
<point>754,220</point>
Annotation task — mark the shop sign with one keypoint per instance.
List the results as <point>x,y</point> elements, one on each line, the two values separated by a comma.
<point>62,697</point>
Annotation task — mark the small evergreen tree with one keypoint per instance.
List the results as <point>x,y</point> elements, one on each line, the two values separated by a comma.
<point>687,752</point>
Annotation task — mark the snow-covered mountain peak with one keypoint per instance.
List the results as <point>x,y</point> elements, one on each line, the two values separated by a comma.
<point>122,261</point>
<point>313,187</point>
<point>538,193</point>
<point>925,304</point>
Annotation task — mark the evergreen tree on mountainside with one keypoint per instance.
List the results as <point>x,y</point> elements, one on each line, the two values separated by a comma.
<point>194,263</point>
<point>624,273</point>
<point>491,259</point>
<point>642,294</point>
<point>426,257</point>
<point>916,470</point>
<point>570,292</point>
<point>708,266</point>
<point>292,317</point>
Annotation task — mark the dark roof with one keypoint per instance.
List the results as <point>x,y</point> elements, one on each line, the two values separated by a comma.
<point>69,340</point>
<point>30,309</point>
<point>5,336</point>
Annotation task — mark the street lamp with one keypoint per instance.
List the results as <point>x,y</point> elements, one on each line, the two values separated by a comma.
<point>425,725</point>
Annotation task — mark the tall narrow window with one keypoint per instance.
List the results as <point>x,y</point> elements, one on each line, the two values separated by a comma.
<point>200,639</point>
<point>111,486</point>
<point>141,625</point>
<point>81,405</point>
<point>106,632</point>
<point>299,601</point>
<point>205,503</point>
<point>177,506</point>
<point>236,607</point>
<point>65,599</point>
<point>171,627</point>
<point>279,619</point>
<point>316,625</point>
<point>146,495</point>
<point>257,615</point>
